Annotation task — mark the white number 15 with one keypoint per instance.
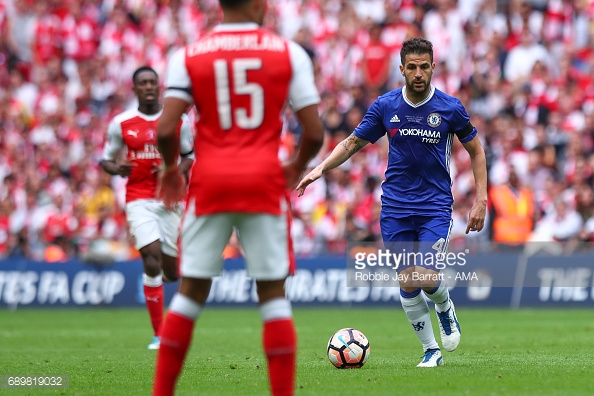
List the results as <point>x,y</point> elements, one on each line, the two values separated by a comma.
<point>241,86</point>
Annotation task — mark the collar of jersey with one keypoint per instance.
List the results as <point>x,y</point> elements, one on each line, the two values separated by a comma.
<point>235,27</point>
<point>420,103</point>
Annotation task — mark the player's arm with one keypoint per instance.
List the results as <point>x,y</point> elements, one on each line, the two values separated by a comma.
<point>172,186</point>
<point>369,130</point>
<point>178,97</point>
<point>167,137</point>
<point>112,167</point>
<point>312,137</point>
<point>116,169</point>
<point>303,99</point>
<point>186,146</point>
<point>476,220</point>
<point>341,153</point>
<point>113,145</point>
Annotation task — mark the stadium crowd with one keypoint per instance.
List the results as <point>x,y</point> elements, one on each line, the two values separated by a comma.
<point>523,69</point>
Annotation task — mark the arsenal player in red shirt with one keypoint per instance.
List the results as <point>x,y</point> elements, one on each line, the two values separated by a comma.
<point>240,78</point>
<point>155,228</point>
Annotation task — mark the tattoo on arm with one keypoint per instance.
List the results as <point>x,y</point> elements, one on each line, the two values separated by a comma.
<point>357,143</point>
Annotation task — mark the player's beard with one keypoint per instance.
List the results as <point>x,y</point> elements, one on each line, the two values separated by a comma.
<point>418,90</point>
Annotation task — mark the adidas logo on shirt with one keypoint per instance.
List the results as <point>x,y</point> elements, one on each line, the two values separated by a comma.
<point>395,118</point>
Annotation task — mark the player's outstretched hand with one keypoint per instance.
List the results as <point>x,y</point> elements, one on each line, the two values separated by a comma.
<point>125,169</point>
<point>308,179</point>
<point>476,220</point>
<point>172,187</point>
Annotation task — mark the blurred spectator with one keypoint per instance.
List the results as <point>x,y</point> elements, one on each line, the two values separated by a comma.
<point>562,225</point>
<point>6,240</point>
<point>443,26</point>
<point>509,151</point>
<point>23,91</point>
<point>585,202</point>
<point>587,232</point>
<point>303,234</point>
<point>375,64</point>
<point>521,58</point>
<point>512,212</point>
<point>538,173</point>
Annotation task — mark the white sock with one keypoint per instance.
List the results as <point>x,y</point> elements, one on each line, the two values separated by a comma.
<point>440,296</point>
<point>417,312</point>
<point>185,306</point>
<point>152,281</point>
<point>277,308</point>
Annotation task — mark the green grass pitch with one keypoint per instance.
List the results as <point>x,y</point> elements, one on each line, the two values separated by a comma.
<point>503,352</point>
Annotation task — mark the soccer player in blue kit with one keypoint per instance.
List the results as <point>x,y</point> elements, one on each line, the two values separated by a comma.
<point>421,122</point>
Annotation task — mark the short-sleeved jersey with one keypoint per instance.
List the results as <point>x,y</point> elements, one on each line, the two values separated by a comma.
<point>240,77</point>
<point>137,132</point>
<point>420,138</point>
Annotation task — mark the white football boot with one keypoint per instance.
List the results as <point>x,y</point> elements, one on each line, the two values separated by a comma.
<point>432,358</point>
<point>155,344</point>
<point>449,328</point>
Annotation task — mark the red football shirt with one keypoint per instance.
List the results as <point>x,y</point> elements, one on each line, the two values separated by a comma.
<point>240,78</point>
<point>137,132</point>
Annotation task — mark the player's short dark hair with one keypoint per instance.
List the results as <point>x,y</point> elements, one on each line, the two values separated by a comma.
<point>231,4</point>
<point>142,69</point>
<point>416,45</point>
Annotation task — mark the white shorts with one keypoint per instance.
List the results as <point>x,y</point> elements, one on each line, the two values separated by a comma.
<point>149,221</point>
<point>264,238</point>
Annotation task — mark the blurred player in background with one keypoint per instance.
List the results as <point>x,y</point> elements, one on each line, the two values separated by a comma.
<point>421,122</point>
<point>155,229</point>
<point>240,78</point>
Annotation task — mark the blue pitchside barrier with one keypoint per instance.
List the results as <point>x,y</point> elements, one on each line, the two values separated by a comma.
<point>504,280</point>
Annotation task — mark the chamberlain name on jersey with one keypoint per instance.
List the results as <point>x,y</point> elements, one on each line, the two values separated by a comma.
<point>234,42</point>
<point>418,178</point>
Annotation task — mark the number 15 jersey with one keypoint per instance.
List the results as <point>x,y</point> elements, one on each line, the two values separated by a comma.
<point>240,77</point>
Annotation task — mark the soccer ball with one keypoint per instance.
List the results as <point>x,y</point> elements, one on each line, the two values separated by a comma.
<point>348,348</point>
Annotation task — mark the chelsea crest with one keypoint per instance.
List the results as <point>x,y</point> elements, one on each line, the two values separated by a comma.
<point>434,120</point>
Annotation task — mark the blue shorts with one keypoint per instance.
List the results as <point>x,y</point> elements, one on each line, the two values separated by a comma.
<point>428,235</point>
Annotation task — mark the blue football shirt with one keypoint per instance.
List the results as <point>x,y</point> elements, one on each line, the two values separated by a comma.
<point>418,174</point>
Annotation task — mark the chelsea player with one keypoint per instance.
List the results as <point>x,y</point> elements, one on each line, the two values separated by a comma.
<point>421,122</point>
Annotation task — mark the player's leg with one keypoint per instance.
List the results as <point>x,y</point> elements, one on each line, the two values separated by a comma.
<point>419,316</point>
<point>279,337</point>
<point>399,235</point>
<point>169,264</point>
<point>153,286</point>
<point>435,234</point>
<point>266,242</point>
<point>202,241</point>
<point>169,228</point>
<point>176,334</point>
<point>143,222</point>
